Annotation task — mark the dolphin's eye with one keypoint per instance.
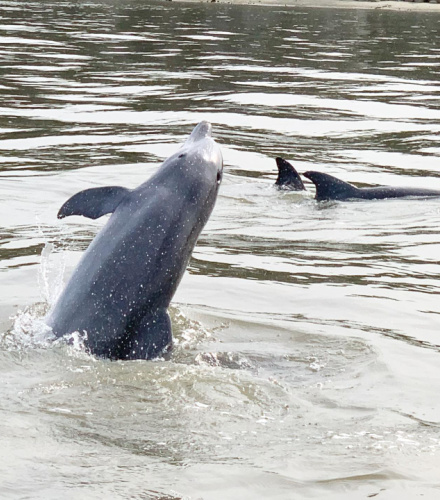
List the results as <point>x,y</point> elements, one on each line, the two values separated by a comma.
<point>219,176</point>
<point>182,155</point>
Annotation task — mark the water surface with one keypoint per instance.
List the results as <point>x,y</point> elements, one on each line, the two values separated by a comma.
<point>307,334</point>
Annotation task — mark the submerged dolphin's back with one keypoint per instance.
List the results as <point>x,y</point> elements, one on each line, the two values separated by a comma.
<point>332,188</point>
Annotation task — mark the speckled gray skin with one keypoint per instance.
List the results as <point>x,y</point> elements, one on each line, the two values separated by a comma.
<point>120,291</point>
<point>288,178</point>
<point>332,188</point>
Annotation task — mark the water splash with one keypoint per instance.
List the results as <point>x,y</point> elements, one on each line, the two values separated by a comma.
<point>29,329</point>
<point>50,275</point>
<point>187,332</point>
<point>50,272</point>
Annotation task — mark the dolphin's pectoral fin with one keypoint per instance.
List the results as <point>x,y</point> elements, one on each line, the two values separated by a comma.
<point>149,338</point>
<point>93,203</point>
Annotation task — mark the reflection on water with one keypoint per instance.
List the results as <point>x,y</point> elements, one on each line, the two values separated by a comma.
<point>306,356</point>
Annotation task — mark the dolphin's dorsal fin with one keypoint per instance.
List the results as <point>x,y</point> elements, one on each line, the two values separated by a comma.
<point>331,188</point>
<point>288,177</point>
<point>93,203</point>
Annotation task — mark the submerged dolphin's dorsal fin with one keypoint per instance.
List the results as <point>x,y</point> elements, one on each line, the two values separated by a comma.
<point>288,177</point>
<point>93,203</point>
<point>330,188</point>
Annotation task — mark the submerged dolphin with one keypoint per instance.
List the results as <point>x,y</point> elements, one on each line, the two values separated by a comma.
<point>120,291</point>
<point>288,177</point>
<point>331,188</point>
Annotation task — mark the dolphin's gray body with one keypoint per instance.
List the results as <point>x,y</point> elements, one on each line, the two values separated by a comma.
<point>120,291</point>
<point>331,188</point>
<point>288,178</point>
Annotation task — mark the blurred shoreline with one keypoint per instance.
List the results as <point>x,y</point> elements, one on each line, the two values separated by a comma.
<point>398,5</point>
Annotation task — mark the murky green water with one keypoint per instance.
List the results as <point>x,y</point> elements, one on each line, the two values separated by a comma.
<point>307,335</point>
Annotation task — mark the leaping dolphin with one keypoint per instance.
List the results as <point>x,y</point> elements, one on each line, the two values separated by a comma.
<point>120,290</point>
<point>332,188</point>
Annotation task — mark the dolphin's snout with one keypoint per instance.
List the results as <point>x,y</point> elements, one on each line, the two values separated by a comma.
<point>202,130</point>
